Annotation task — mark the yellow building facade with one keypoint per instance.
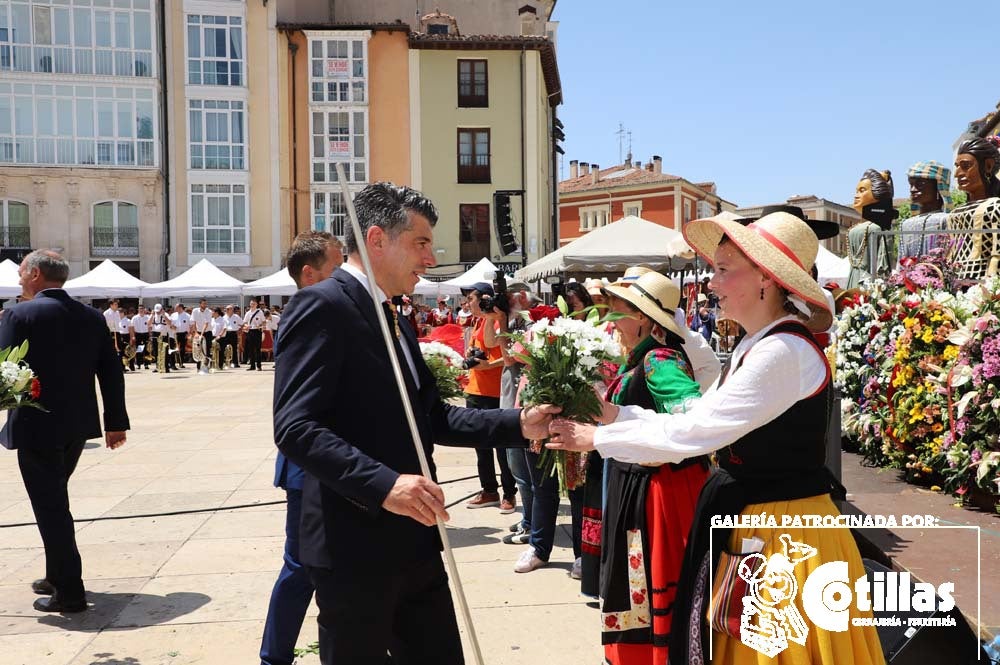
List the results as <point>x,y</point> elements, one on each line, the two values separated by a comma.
<point>482,112</point>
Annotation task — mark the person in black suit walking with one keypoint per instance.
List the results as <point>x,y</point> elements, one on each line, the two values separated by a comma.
<point>68,345</point>
<point>368,516</point>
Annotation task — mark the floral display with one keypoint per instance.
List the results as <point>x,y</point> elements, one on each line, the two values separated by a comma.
<point>564,358</point>
<point>918,365</point>
<point>446,366</point>
<point>18,384</point>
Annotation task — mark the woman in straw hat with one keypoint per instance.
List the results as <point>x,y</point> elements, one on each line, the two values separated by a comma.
<point>766,422</point>
<point>649,508</point>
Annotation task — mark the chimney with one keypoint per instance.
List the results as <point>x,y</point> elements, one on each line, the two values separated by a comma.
<point>595,174</point>
<point>628,161</point>
<point>649,166</point>
<point>657,164</point>
<point>584,168</point>
<point>574,168</point>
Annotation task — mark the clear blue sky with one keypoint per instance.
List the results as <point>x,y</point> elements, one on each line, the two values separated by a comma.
<point>776,97</point>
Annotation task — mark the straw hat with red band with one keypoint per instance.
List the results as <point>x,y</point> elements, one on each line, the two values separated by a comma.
<point>655,295</point>
<point>781,245</point>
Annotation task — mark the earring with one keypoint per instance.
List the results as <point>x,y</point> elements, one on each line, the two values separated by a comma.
<point>762,293</point>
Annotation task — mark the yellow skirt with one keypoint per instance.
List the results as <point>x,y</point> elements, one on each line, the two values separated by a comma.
<point>857,645</point>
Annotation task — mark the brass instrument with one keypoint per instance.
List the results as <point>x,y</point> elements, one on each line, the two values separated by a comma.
<point>198,353</point>
<point>229,354</point>
<point>216,367</point>
<point>128,355</point>
<point>162,348</point>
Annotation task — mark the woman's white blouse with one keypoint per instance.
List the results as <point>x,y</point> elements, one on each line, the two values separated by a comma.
<point>776,373</point>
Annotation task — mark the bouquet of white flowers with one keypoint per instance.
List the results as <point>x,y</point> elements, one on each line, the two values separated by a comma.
<point>18,384</point>
<point>564,357</point>
<point>446,366</point>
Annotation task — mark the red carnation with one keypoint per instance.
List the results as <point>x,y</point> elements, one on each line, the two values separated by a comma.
<point>36,388</point>
<point>544,312</point>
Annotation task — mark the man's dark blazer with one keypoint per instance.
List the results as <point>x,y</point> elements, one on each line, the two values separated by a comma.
<point>338,415</point>
<point>68,344</point>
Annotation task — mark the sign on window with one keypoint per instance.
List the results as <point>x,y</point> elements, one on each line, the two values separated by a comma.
<point>338,67</point>
<point>339,149</point>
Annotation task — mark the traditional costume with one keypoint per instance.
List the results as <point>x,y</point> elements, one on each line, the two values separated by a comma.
<point>921,238</point>
<point>767,421</point>
<point>649,509</point>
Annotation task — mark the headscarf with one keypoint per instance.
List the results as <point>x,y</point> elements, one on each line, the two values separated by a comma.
<point>932,170</point>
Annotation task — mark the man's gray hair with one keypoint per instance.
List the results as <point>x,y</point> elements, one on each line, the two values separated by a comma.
<point>51,264</point>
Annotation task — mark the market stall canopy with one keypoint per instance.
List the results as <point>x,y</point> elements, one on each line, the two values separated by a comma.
<point>278,284</point>
<point>201,279</point>
<point>426,287</point>
<point>108,280</point>
<point>831,267</point>
<point>10,281</point>
<point>481,272</point>
<point>678,247</point>
<point>612,248</point>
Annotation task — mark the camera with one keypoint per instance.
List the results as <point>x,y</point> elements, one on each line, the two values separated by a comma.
<point>499,300</point>
<point>475,355</point>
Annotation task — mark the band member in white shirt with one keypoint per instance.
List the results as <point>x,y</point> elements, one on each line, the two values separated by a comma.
<point>253,325</point>
<point>112,316</point>
<point>182,325</point>
<point>201,322</point>
<point>125,338</point>
<point>233,324</point>
<point>140,335</point>
<point>160,324</point>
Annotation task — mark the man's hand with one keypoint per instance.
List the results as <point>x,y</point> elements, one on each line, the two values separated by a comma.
<point>571,435</point>
<point>535,421</point>
<point>418,498</point>
<point>114,439</point>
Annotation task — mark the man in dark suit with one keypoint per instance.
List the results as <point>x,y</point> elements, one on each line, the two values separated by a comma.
<point>68,345</point>
<point>368,516</point>
<point>312,257</point>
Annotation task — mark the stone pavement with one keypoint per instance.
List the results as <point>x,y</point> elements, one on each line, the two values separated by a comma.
<point>193,588</point>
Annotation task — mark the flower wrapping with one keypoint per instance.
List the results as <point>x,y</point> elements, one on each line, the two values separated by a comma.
<point>18,384</point>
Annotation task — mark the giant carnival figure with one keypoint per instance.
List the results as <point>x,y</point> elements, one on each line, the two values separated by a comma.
<point>873,201</point>
<point>977,254</point>
<point>930,200</point>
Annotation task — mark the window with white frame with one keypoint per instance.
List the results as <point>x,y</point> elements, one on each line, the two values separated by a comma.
<point>329,213</point>
<point>687,210</point>
<point>633,208</point>
<point>217,134</point>
<point>14,228</point>
<point>116,225</point>
<point>218,219</point>
<point>593,217</point>
<point>339,70</point>
<point>705,209</point>
<point>91,37</point>
<point>339,136</point>
<point>215,50</point>
<point>81,125</point>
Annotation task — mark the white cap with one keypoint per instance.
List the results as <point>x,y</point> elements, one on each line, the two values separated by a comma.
<point>157,307</point>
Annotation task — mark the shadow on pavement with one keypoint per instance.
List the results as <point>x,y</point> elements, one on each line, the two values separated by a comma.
<point>110,659</point>
<point>472,536</point>
<point>105,608</point>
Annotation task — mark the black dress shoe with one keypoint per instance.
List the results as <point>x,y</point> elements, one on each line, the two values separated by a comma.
<point>56,604</point>
<point>43,587</point>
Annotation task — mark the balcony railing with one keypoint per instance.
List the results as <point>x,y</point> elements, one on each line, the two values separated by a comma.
<point>17,237</point>
<point>114,242</point>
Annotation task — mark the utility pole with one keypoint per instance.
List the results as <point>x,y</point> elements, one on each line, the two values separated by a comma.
<point>621,141</point>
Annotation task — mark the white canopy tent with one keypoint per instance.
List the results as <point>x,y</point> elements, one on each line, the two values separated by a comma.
<point>612,248</point>
<point>831,267</point>
<point>201,279</point>
<point>277,284</point>
<point>483,271</point>
<point>10,280</point>
<point>108,280</point>
<point>426,287</point>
